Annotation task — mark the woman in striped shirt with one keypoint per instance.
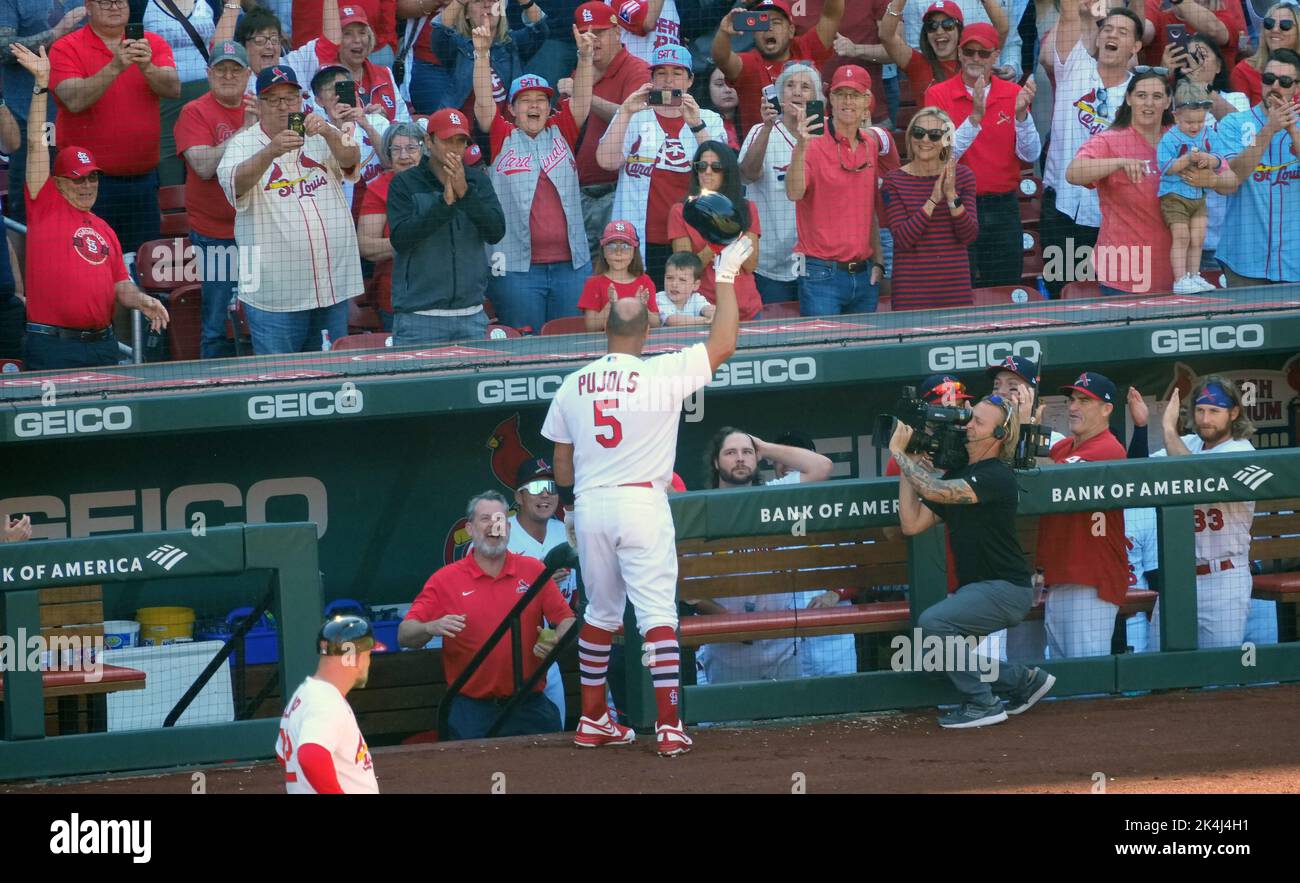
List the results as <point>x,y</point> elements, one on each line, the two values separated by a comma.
<point>930,206</point>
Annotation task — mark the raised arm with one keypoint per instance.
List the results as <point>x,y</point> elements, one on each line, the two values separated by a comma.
<point>810,465</point>
<point>1071,28</point>
<point>38,161</point>
<point>796,175</point>
<point>331,26</point>
<point>584,76</point>
<point>1203,21</point>
<point>485,107</point>
<point>609,155</point>
<point>723,57</point>
<point>998,18</point>
<point>721,343</point>
<point>829,24</point>
<point>890,33</point>
<point>653,9</point>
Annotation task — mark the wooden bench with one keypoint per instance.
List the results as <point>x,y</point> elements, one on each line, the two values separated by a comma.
<point>65,689</point>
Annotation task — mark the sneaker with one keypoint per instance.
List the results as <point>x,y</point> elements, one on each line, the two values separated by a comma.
<point>672,740</point>
<point>1203,283</point>
<point>595,733</point>
<point>1186,285</point>
<point>970,716</point>
<point>1040,684</point>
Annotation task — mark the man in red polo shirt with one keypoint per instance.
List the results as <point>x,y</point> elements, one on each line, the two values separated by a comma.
<point>1223,21</point>
<point>750,71</point>
<point>619,73</point>
<point>202,131</point>
<point>857,42</point>
<point>1084,554</point>
<point>107,89</point>
<point>75,268</point>
<point>994,134</point>
<point>465,602</point>
<point>832,179</point>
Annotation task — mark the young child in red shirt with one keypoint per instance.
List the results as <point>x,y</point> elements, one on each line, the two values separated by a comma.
<point>618,272</point>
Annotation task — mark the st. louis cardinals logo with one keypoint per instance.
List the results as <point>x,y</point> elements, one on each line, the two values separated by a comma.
<point>1082,381</point>
<point>92,247</point>
<point>304,186</point>
<point>363,754</point>
<point>673,156</point>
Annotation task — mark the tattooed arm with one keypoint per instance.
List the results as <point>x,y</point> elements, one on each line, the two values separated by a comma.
<point>917,482</point>
<point>45,38</point>
<point>932,487</point>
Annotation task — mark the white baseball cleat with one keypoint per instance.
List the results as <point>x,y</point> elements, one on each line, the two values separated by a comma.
<point>595,733</point>
<point>671,740</point>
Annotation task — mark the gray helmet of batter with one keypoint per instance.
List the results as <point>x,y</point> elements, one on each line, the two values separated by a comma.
<point>341,635</point>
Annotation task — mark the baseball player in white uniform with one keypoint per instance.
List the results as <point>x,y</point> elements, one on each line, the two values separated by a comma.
<point>1222,529</point>
<point>320,745</point>
<point>1143,558</point>
<point>614,424</point>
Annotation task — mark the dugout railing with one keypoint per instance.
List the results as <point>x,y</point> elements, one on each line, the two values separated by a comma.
<point>286,554</point>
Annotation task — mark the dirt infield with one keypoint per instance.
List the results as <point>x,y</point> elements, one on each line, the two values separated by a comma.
<point>1224,741</point>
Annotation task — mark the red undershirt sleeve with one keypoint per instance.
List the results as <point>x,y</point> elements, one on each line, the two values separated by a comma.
<point>318,766</point>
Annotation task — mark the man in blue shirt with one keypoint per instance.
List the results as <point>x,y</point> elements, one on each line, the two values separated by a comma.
<point>1262,145</point>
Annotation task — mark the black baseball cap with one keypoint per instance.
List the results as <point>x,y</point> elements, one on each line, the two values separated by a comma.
<point>530,469</point>
<point>1022,366</point>
<point>936,386</point>
<point>274,75</point>
<point>1090,383</point>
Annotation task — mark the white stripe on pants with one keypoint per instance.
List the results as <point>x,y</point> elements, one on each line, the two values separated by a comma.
<point>628,551</point>
<point>1078,623</point>
<point>1222,605</point>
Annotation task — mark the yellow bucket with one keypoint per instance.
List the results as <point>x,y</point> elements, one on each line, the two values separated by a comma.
<point>164,625</point>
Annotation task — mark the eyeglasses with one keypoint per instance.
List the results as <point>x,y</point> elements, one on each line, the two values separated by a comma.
<point>229,71</point>
<point>1143,69</point>
<point>1284,24</point>
<point>283,100</point>
<point>263,40</point>
<point>866,164</point>
<point>111,4</point>
<point>972,52</point>
<point>619,246</point>
<point>89,178</point>
<point>935,135</point>
<point>1269,78</point>
<point>704,165</point>
<point>404,150</point>
<point>948,24</point>
<point>539,486</point>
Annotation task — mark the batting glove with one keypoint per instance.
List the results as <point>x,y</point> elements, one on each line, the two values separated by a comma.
<point>571,528</point>
<point>728,263</point>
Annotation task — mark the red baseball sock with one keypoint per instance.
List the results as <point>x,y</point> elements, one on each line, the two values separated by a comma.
<point>593,662</point>
<point>665,667</point>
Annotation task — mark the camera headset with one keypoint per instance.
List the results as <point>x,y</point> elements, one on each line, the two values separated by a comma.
<point>999,432</point>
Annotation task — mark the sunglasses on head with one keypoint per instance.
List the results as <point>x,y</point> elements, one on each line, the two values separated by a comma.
<point>1284,24</point>
<point>705,165</point>
<point>935,135</point>
<point>539,486</point>
<point>1269,78</point>
<point>1142,69</point>
<point>971,50</point>
<point>948,24</point>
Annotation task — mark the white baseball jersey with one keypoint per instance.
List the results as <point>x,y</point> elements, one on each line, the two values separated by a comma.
<point>319,714</point>
<point>667,30</point>
<point>522,543</point>
<point>1143,552</point>
<point>621,414</point>
<point>1222,529</point>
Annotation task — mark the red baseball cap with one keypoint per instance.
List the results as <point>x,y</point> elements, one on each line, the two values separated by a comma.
<point>850,76</point>
<point>947,7</point>
<point>631,15</point>
<point>620,231</point>
<point>594,16</point>
<point>781,6</point>
<point>981,33</point>
<point>448,123</point>
<point>351,15</point>
<point>74,162</point>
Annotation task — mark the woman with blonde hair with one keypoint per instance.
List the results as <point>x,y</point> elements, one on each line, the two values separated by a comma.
<point>930,207</point>
<point>453,44</point>
<point>1279,29</point>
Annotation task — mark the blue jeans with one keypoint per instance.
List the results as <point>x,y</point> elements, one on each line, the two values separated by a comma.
<point>413,329</point>
<point>827,290</point>
<point>218,292</point>
<point>470,718</point>
<point>44,351</point>
<point>532,298</point>
<point>429,83</point>
<point>129,204</point>
<point>774,291</point>
<point>892,99</point>
<point>298,331</point>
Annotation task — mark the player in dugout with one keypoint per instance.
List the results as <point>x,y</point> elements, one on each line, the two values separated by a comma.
<point>978,502</point>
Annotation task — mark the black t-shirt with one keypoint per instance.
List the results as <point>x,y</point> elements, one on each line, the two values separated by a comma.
<point>983,534</point>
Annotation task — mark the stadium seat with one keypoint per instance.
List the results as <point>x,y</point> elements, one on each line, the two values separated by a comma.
<point>1033,261</point>
<point>1031,187</point>
<point>156,264</point>
<point>185,331</point>
<point>1075,290</point>
<point>373,340</point>
<point>1002,294</point>
<point>363,318</point>
<point>10,366</point>
<point>567,325</point>
<point>171,203</point>
<point>786,309</point>
<point>499,332</point>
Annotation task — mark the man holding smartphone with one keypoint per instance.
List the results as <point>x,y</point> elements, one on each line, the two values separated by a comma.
<point>335,93</point>
<point>1167,20</point>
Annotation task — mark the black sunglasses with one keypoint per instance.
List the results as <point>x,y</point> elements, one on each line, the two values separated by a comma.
<point>968,49</point>
<point>948,24</point>
<point>1271,23</point>
<point>1269,78</point>
<point>704,165</point>
<point>935,135</point>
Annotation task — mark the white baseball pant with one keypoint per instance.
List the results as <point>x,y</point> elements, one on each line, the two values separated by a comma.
<point>1222,605</point>
<point>1078,622</point>
<point>628,551</point>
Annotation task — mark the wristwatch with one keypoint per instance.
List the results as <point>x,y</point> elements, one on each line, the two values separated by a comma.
<point>698,129</point>
<point>956,202</point>
<point>40,90</point>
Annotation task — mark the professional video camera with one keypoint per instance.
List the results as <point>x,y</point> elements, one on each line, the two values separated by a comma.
<point>940,433</point>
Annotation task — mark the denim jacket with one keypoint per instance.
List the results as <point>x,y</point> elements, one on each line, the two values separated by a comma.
<point>456,53</point>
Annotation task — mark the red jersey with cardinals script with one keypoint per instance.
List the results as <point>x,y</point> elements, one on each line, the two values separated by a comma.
<point>74,262</point>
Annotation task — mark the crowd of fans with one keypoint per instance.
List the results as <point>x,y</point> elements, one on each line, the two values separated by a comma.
<point>532,149</point>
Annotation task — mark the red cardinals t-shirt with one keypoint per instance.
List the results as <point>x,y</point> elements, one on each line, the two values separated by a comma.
<point>74,261</point>
<point>375,202</point>
<point>757,72</point>
<point>547,223</point>
<point>595,292</point>
<point>206,122</point>
<point>667,186</point>
<point>747,297</point>
<point>1069,551</point>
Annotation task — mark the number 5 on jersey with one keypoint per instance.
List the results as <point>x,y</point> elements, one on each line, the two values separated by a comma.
<point>604,420</point>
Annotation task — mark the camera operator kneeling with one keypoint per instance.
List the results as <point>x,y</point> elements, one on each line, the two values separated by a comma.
<point>978,502</point>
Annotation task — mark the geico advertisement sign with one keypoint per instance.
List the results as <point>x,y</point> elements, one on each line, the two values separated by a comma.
<point>754,372</point>
<point>72,421</point>
<point>321,403</point>
<point>1207,338</point>
<point>147,509</point>
<point>980,355</point>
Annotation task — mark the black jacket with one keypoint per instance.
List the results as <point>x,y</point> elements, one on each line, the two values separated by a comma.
<point>439,261</point>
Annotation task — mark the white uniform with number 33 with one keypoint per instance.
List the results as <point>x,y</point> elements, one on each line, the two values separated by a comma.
<point>621,414</point>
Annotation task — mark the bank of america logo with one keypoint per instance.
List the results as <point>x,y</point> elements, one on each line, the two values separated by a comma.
<point>1253,476</point>
<point>167,557</point>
